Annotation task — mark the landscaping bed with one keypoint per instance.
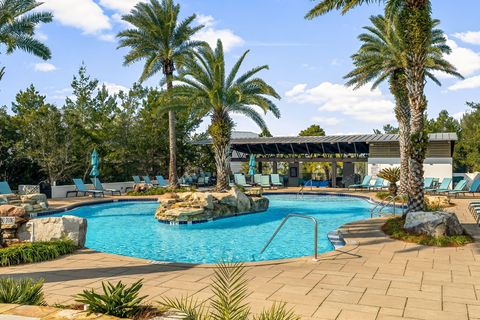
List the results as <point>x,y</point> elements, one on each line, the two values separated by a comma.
<point>394,228</point>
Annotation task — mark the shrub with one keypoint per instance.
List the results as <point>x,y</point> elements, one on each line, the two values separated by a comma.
<point>394,228</point>
<point>392,175</point>
<point>21,291</point>
<point>35,252</point>
<point>117,300</point>
<point>230,291</point>
<point>159,191</point>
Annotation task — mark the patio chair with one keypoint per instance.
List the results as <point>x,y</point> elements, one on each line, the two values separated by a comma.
<point>257,178</point>
<point>136,179</point>
<point>458,188</point>
<point>378,184</point>
<point>275,177</point>
<point>427,183</point>
<point>474,187</point>
<point>81,188</point>
<point>443,186</point>
<point>365,183</point>
<point>265,182</point>
<point>161,182</point>
<point>241,180</point>
<point>6,192</point>
<point>147,180</point>
<point>186,181</point>
<point>98,186</point>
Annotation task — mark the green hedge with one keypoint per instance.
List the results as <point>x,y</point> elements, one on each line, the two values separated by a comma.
<point>35,252</point>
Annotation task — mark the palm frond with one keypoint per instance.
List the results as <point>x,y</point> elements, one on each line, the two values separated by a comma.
<point>278,311</point>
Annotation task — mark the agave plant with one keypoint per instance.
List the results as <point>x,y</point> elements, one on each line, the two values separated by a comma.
<point>117,299</point>
<point>21,291</point>
<point>392,175</point>
<point>229,293</point>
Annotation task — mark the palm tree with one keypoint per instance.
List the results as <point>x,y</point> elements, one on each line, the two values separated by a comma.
<point>164,42</point>
<point>206,86</point>
<point>382,57</point>
<point>415,34</point>
<point>17,28</point>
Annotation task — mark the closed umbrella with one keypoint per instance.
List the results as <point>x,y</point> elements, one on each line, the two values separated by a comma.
<point>94,162</point>
<point>252,165</point>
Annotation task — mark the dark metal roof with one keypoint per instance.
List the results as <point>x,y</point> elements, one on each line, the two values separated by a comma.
<point>357,144</point>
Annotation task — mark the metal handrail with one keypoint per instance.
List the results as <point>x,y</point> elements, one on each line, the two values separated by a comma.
<point>391,202</point>
<point>315,225</point>
<point>300,192</point>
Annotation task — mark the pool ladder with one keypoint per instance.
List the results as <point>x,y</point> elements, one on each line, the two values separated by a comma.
<point>295,215</point>
<point>300,192</point>
<point>387,202</point>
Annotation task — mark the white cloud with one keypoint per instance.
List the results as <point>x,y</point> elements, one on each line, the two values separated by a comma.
<point>468,83</point>
<point>459,115</point>
<point>363,104</point>
<point>210,34</point>
<point>327,121</point>
<point>85,15</point>
<point>39,35</point>
<point>44,67</point>
<point>113,88</point>
<point>123,6</point>
<point>107,37</point>
<point>297,89</point>
<point>465,60</point>
<point>472,37</point>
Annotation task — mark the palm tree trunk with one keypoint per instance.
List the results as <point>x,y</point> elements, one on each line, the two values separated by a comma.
<point>221,130</point>
<point>402,113</point>
<point>417,22</point>
<point>172,139</point>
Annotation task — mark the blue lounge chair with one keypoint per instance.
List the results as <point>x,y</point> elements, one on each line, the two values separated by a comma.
<point>136,179</point>
<point>81,188</point>
<point>241,180</point>
<point>265,182</point>
<point>443,186</point>
<point>459,188</point>
<point>257,178</point>
<point>147,180</point>
<point>98,186</point>
<point>378,184</point>
<point>5,188</point>
<point>427,183</point>
<point>161,182</point>
<point>275,177</point>
<point>365,183</point>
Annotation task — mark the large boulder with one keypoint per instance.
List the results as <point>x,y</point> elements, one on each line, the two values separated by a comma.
<point>243,202</point>
<point>179,214</point>
<point>436,224</point>
<point>7,210</point>
<point>55,228</point>
<point>259,204</point>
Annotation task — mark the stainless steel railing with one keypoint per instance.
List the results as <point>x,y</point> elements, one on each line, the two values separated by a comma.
<point>302,189</point>
<point>388,201</point>
<point>295,215</point>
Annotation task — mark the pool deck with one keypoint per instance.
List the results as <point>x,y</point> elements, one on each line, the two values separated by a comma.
<point>373,277</point>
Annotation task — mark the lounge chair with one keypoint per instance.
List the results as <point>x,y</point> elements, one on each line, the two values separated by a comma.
<point>186,181</point>
<point>241,180</point>
<point>147,180</point>
<point>257,178</point>
<point>7,193</point>
<point>378,184</point>
<point>459,188</point>
<point>275,177</point>
<point>136,179</point>
<point>474,187</point>
<point>161,182</point>
<point>365,183</point>
<point>443,186</point>
<point>81,188</point>
<point>427,183</point>
<point>98,186</point>
<point>265,182</point>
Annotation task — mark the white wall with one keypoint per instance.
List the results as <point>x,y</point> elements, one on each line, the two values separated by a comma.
<point>434,167</point>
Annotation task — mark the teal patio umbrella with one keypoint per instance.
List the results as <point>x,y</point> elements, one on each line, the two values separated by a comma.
<point>94,162</point>
<point>252,165</point>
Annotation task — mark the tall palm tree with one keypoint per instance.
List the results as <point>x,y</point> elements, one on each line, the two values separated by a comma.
<point>17,28</point>
<point>416,31</point>
<point>206,86</point>
<point>158,37</point>
<point>382,57</point>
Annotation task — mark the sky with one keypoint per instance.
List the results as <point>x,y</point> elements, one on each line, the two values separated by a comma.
<point>307,59</point>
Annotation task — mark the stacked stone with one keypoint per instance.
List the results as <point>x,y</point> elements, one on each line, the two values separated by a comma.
<point>11,218</point>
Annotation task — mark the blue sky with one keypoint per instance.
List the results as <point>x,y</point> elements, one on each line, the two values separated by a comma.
<point>307,59</point>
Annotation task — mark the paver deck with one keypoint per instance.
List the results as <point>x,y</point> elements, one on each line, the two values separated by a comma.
<point>373,277</point>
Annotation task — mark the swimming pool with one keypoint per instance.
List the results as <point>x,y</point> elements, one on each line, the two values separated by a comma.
<point>130,229</point>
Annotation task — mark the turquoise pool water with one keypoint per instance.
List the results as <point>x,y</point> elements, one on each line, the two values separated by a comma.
<point>130,229</point>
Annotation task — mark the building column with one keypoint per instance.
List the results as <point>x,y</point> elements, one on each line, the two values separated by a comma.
<point>274,167</point>
<point>334,174</point>
<point>260,167</point>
